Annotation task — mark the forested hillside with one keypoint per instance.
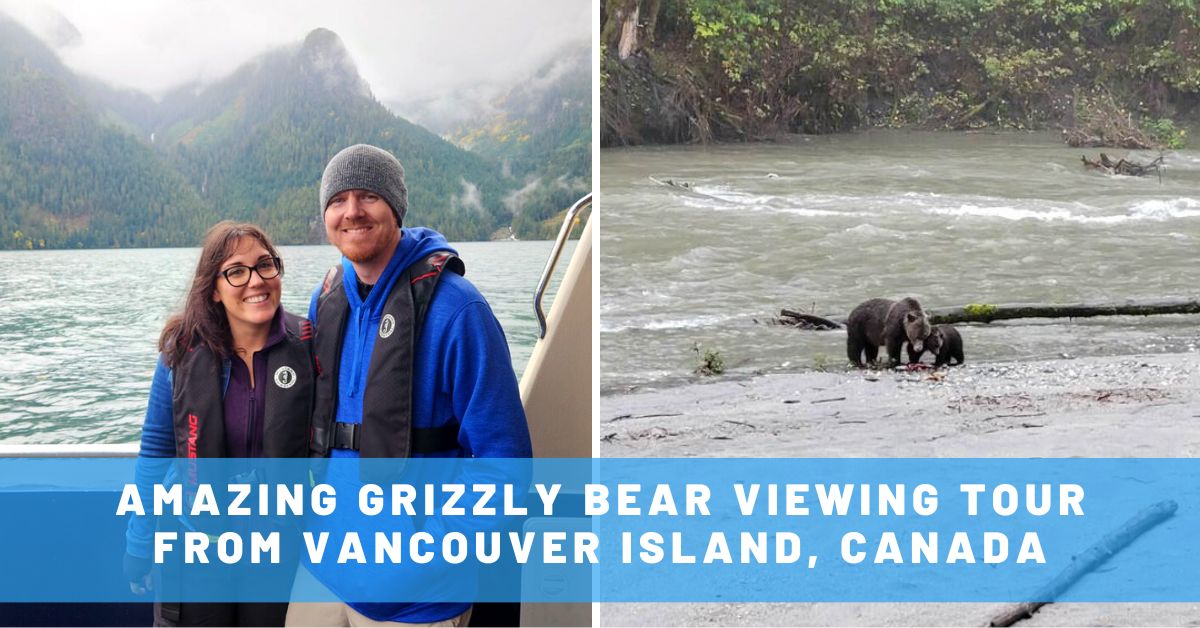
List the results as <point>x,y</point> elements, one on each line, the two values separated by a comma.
<point>698,70</point>
<point>69,180</point>
<point>255,145</point>
<point>86,165</point>
<point>542,134</point>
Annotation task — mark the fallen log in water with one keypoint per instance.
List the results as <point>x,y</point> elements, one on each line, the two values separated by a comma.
<point>672,183</point>
<point>1105,548</point>
<point>986,313</point>
<point>806,321</point>
<point>1123,166</point>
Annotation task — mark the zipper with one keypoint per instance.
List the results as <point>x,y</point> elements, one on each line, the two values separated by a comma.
<point>250,426</point>
<point>252,411</point>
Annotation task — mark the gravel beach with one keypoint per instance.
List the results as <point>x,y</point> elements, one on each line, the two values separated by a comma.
<point>1127,406</point>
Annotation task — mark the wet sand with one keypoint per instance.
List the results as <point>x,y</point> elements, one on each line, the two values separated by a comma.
<point>1128,406</point>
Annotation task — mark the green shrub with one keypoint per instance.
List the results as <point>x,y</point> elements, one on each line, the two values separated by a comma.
<point>711,362</point>
<point>1164,132</point>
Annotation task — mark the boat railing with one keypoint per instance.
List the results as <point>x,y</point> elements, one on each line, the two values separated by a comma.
<point>125,450</point>
<point>563,234</point>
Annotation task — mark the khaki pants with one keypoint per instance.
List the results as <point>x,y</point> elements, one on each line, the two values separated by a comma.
<point>340,615</point>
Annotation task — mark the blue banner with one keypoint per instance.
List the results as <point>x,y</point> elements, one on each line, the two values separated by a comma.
<point>611,530</point>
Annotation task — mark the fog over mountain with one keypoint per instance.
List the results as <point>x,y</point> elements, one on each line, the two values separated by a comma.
<point>407,51</point>
<point>443,113</point>
<point>106,166</point>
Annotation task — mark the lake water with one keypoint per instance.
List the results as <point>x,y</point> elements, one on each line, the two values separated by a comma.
<point>827,222</point>
<point>78,329</point>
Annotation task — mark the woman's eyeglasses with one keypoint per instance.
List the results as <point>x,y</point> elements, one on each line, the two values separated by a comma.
<point>239,275</point>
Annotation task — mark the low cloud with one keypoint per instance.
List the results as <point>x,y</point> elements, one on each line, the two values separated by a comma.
<point>443,113</point>
<point>471,198</point>
<point>404,50</point>
<point>518,198</point>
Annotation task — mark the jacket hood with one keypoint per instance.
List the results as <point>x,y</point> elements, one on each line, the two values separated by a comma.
<point>416,243</point>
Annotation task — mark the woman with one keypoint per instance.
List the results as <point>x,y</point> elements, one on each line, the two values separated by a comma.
<point>234,380</point>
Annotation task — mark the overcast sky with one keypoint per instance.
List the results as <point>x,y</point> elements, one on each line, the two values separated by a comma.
<point>406,50</point>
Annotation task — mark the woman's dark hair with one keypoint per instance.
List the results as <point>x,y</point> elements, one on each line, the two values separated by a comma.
<point>203,320</point>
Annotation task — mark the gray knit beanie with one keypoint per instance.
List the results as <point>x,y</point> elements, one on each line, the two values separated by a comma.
<point>364,167</point>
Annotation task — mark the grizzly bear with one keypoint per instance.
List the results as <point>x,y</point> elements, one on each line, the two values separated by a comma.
<point>944,342</point>
<point>883,322</point>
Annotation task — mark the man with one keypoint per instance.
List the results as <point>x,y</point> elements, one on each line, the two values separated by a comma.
<point>411,360</point>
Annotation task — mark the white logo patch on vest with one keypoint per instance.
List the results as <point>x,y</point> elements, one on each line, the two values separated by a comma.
<point>285,377</point>
<point>387,326</point>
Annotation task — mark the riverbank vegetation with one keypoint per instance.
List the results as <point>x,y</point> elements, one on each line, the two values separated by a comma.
<point>702,70</point>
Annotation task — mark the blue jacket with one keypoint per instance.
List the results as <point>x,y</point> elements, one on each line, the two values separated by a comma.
<point>462,373</point>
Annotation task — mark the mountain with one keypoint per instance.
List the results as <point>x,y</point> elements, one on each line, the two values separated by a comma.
<point>69,179</point>
<point>541,132</point>
<point>254,145</point>
<point>83,164</point>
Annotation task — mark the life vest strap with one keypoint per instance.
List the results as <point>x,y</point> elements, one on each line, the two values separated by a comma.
<point>425,440</point>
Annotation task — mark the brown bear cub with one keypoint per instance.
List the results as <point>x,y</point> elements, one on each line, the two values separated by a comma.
<point>883,322</point>
<point>944,343</point>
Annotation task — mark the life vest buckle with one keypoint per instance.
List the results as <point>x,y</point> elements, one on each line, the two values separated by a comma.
<point>347,435</point>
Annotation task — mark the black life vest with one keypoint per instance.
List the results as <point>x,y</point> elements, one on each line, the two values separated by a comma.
<point>386,430</point>
<point>199,406</point>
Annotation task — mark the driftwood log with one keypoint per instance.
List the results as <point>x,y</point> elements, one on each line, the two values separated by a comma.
<point>1123,166</point>
<point>807,321</point>
<point>1104,549</point>
<point>672,183</point>
<point>1133,307</point>
<point>986,313</point>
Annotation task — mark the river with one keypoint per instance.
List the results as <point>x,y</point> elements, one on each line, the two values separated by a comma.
<point>825,222</point>
<point>78,328</point>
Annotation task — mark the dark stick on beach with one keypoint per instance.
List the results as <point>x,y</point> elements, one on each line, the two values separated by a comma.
<point>1080,565</point>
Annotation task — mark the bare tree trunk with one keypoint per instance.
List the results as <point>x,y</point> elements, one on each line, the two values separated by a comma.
<point>629,33</point>
<point>619,26</point>
<point>609,22</point>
